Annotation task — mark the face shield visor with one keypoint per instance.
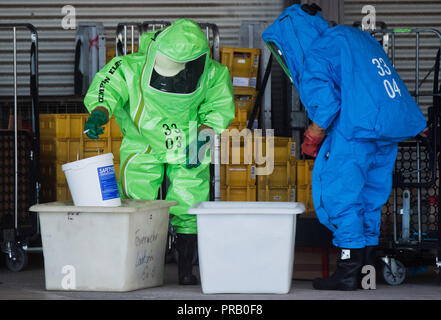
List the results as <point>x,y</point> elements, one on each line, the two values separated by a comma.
<point>278,54</point>
<point>177,77</point>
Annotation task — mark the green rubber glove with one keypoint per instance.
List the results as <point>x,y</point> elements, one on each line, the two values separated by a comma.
<point>192,157</point>
<point>92,128</point>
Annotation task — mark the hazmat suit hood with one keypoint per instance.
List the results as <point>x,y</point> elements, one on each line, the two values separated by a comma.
<point>179,56</point>
<point>291,35</point>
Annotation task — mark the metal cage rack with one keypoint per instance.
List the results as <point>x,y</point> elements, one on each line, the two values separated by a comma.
<point>19,164</point>
<point>411,222</point>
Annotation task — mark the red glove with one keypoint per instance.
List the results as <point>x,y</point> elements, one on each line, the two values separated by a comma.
<point>311,144</point>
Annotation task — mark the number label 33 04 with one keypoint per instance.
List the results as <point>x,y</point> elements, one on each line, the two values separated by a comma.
<point>392,88</point>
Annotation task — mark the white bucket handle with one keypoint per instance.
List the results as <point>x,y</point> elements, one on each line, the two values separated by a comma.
<point>81,142</point>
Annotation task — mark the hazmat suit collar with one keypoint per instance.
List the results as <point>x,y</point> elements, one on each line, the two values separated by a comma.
<point>293,32</point>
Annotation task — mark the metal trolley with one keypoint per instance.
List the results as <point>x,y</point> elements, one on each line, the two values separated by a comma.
<point>20,177</point>
<point>411,226</point>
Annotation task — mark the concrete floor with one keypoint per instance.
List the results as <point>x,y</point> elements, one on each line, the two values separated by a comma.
<point>29,284</point>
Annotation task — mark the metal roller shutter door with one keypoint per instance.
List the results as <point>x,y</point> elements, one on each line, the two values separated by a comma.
<point>56,45</point>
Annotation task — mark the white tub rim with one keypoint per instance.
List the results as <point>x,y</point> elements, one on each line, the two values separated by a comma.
<point>128,206</point>
<point>247,208</point>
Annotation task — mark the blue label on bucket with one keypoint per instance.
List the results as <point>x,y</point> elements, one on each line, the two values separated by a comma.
<point>109,187</point>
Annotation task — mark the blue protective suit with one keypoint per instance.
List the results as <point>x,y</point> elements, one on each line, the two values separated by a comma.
<point>348,87</point>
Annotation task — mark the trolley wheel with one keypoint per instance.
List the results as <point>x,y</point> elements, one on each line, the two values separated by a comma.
<point>394,273</point>
<point>18,261</point>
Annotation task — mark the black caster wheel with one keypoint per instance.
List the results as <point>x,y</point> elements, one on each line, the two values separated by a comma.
<point>393,272</point>
<point>18,260</point>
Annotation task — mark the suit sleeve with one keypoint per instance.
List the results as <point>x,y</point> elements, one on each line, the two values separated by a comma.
<point>218,109</point>
<point>319,89</point>
<point>109,88</point>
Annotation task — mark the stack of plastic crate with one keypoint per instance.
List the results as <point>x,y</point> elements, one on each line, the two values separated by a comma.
<point>304,183</point>
<point>238,170</point>
<point>279,183</point>
<point>243,65</point>
<point>61,142</point>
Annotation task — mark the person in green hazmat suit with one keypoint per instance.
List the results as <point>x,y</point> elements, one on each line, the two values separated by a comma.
<point>162,97</point>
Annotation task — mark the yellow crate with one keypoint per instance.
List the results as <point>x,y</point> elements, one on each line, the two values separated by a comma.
<point>54,192</point>
<point>243,64</point>
<point>238,154</point>
<point>266,193</point>
<point>115,131</point>
<point>111,52</point>
<point>48,191</point>
<point>47,195</point>
<point>62,125</point>
<point>238,194</point>
<point>245,98</point>
<point>114,148</point>
<point>236,177</point>
<point>304,172</point>
<point>63,192</point>
<point>293,172</point>
<point>50,177</point>
<point>66,150</point>
<point>284,149</point>
<point>283,175</point>
<point>47,169</point>
<point>72,126</point>
<point>52,172</point>
<point>239,175</point>
<point>304,195</point>
<point>241,118</point>
<point>238,126</point>
<point>117,170</point>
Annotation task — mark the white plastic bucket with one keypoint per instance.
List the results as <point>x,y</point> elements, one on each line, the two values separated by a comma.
<point>92,181</point>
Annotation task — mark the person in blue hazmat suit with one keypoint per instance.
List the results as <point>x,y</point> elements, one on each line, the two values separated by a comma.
<point>360,109</point>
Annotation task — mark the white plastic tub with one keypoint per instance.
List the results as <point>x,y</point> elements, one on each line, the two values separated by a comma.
<point>103,248</point>
<point>246,247</point>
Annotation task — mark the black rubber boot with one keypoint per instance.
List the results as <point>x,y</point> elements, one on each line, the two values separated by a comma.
<point>186,246</point>
<point>346,276</point>
<point>370,255</point>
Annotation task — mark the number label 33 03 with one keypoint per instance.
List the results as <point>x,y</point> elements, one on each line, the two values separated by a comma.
<point>173,136</point>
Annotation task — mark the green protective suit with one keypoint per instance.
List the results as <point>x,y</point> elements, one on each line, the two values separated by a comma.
<point>156,124</point>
